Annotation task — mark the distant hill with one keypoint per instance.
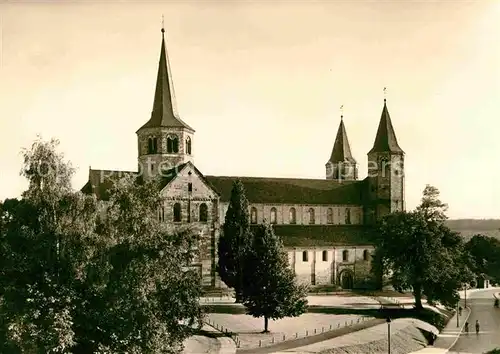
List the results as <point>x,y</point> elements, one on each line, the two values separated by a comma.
<point>471,227</point>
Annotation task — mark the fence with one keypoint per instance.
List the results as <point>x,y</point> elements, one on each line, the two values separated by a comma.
<point>286,337</point>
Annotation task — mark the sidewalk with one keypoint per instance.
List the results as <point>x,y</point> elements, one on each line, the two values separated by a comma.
<point>448,336</point>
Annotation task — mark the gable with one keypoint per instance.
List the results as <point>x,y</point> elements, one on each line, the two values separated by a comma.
<point>178,185</point>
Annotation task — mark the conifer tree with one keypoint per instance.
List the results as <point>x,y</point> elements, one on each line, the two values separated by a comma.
<point>235,240</point>
<point>271,289</point>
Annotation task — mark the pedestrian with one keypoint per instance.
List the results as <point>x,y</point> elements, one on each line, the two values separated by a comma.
<point>477,326</point>
<point>466,327</point>
<point>460,311</point>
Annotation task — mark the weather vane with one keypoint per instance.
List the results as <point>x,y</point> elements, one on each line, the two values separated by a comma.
<point>162,23</point>
<point>342,111</point>
<point>385,93</point>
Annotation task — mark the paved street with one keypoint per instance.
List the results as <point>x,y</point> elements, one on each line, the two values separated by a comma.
<point>481,304</point>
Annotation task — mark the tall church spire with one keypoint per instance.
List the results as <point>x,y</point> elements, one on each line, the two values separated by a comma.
<point>164,112</point>
<point>385,140</point>
<point>341,165</point>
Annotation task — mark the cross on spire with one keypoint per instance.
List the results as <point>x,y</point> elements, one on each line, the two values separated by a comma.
<point>342,112</point>
<point>162,24</point>
<point>385,94</point>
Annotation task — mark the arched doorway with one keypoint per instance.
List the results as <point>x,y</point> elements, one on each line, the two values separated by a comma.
<point>346,279</point>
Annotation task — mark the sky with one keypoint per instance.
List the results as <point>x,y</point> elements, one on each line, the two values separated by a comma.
<point>262,83</point>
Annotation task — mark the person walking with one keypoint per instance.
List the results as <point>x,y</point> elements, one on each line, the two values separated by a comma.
<point>466,327</point>
<point>477,326</point>
<point>460,311</point>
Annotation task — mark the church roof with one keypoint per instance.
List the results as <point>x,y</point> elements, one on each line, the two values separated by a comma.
<point>386,140</point>
<point>165,112</point>
<point>101,181</point>
<point>341,151</point>
<point>324,235</point>
<point>291,190</point>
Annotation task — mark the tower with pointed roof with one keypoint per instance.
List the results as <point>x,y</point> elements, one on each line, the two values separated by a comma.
<point>385,172</point>
<point>341,166</point>
<point>164,141</point>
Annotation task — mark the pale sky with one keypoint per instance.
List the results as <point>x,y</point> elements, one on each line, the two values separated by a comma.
<point>262,83</point>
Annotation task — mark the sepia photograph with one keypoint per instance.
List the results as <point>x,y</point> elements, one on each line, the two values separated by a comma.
<point>249,176</point>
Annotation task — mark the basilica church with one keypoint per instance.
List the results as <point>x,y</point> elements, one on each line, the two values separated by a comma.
<point>326,224</point>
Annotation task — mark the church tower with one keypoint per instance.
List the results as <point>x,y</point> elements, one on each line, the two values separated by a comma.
<point>385,172</point>
<point>341,166</point>
<point>164,141</point>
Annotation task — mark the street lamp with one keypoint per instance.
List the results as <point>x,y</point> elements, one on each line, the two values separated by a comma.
<point>388,320</point>
<point>458,313</point>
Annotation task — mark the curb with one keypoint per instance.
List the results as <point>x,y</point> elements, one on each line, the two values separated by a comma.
<point>461,329</point>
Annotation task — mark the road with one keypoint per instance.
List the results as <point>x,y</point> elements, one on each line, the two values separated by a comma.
<point>481,305</point>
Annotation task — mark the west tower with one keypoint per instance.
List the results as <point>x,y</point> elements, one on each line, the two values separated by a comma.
<point>341,165</point>
<point>385,172</point>
<point>164,141</point>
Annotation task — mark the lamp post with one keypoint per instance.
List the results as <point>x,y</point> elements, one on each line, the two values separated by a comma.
<point>458,314</point>
<point>388,320</point>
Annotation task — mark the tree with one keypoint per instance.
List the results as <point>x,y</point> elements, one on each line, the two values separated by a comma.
<point>81,276</point>
<point>421,255</point>
<point>485,254</point>
<point>431,207</point>
<point>143,296</point>
<point>271,290</point>
<point>235,240</point>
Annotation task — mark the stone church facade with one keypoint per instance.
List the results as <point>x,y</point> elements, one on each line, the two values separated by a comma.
<point>325,224</point>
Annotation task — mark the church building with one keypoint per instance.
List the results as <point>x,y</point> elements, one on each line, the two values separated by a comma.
<point>325,224</point>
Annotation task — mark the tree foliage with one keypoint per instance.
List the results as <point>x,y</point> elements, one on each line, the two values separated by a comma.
<point>431,207</point>
<point>271,290</point>
<point>235,240</point>
<point>79,276</point>
<point>420,253</point>
<point>485,254</point>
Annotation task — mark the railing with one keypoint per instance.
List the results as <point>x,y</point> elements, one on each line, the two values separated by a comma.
<point>275,339</point>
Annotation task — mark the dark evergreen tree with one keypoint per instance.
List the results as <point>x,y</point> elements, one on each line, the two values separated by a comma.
<point>271,289</point>
<point>235,240</point>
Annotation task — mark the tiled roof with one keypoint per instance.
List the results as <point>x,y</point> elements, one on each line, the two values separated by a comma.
<point>101,181</point>
<point>324,235</point>
<point>291,190</point>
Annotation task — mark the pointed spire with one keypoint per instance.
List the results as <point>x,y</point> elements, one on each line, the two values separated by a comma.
<point>386,140</point>
<point>164,112</point>
<point>341,151</point>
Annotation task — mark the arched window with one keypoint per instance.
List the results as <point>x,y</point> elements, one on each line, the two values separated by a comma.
<point>293,216</point>
<point>155,145</point>
<point>366,255</point>
<point>177,212</point>
<point>311,216</point>
<point>161,214</point>
<point>345,256</point>
<point>188,145</point>
<point>348,216</point>
<point>203,212</point>
<point>150,146</point>
<point>329,216</point>
<point>274,216</point>
<point>175,141</point>
<point>325,256</point>
<point>253,216</point>
<point>305,257</point>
